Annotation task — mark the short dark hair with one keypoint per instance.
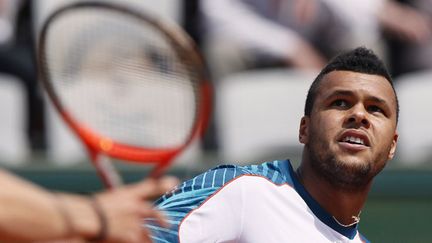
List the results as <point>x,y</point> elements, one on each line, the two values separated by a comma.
<point>360,60</point>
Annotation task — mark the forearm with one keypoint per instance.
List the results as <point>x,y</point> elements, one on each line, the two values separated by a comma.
<point>28,212</point>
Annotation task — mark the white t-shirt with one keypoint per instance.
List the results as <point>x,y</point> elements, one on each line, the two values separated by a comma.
<point>253,204</point>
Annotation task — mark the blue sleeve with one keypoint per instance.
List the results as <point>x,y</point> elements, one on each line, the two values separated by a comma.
<point>189,195</point>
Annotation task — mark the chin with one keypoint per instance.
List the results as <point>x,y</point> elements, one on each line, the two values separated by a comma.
<point>347,171</point>
<point>353,161</point>
<point>344,172</point>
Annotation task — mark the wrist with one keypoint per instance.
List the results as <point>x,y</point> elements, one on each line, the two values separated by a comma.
<point>103,224</point>
<point>83,218</point>
<point>69,230</point>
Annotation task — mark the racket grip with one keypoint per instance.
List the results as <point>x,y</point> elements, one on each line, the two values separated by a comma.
<point>111,176</point>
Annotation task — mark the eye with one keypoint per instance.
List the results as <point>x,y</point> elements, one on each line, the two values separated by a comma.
<point>339,103</point>
<point>374,108</point>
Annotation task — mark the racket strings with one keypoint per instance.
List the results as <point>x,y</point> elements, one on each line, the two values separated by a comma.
<point>122,78</point>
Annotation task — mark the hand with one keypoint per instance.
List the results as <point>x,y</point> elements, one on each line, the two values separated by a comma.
<point>125,208</point>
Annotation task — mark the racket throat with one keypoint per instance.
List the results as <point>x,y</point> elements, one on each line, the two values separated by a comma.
<point>111,178</point>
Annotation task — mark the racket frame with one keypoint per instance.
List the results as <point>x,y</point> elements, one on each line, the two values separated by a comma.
<point>98,145</point>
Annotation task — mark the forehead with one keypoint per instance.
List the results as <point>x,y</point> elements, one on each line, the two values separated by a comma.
<point>364,85</point>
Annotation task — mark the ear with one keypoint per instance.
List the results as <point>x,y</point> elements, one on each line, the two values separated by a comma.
<point>393,146</point>
<point>304,130</point>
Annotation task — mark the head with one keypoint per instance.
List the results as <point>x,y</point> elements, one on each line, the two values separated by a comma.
<point>350,120</point>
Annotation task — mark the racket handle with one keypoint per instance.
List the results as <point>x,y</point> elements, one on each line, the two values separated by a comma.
<point>111,177</point>
<point>106,170</point>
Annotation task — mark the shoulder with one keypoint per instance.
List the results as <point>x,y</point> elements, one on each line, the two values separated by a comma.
<point>212,180</point>
<point>194,191</point>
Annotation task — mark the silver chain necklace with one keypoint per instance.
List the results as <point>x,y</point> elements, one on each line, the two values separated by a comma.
<point>355,218</point>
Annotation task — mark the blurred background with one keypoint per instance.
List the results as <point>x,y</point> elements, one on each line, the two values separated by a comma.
<point>261,56</point>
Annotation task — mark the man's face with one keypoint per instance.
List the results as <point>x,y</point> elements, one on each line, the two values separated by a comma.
<point>351,132</point>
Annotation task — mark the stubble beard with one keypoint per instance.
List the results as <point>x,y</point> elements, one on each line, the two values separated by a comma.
<point>341,174</point>
<point>345,175</point>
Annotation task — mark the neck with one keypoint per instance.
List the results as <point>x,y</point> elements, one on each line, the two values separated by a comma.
<point>344,205</point>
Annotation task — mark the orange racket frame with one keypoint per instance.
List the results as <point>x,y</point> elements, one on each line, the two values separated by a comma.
<point>98,144</point>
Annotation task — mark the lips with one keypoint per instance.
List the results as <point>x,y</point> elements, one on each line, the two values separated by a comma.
<point>354,138</point>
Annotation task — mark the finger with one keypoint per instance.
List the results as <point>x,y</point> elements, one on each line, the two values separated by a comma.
<point>153,188</point>
<point>155,215</point>
<point>167,183</point>
<point>161,219</point>
<point>146,235</point>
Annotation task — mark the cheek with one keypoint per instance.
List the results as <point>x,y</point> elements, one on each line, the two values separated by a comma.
<point>385,133</point>
<point>328,124</point>
<point>384,140</point>
<point>387,137</point>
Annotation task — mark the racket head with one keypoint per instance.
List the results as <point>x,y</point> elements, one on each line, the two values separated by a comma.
<point>91,52</point>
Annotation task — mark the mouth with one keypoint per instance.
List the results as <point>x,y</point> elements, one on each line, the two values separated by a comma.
<point>354,140</point>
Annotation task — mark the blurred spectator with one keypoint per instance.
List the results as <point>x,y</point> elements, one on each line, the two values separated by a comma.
<point>410,45</point>
<point>244,34</point>
<point>17,58</point>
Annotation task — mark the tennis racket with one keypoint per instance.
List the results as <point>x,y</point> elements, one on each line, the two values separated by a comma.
<point>131,85</point>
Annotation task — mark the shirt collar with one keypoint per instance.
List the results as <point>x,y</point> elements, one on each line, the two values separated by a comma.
<point>318,211</point>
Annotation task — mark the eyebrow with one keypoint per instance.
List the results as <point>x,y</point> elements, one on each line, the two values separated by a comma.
<point>350,93</point>
<point>339,93</point>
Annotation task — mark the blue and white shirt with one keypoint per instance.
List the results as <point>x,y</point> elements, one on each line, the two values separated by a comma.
<point>252,204</point>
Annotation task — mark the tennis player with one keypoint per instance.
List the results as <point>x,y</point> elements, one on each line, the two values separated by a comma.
<point>349,133</point>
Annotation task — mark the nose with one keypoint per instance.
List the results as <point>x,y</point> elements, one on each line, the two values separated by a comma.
<point>358,117</point>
